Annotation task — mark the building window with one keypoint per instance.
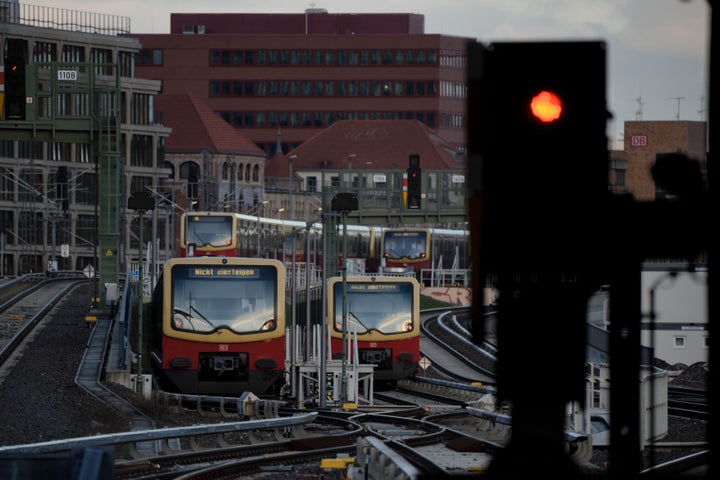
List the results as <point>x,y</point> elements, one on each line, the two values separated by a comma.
<point>30,150</point>
<point>226,57</point>
<point>214,88</point>
<point>125,64</point>
<point>679,341</point>
<point>619,177</point>
<point>139,183</point>
<point>149,56</point>
<point>73,53</point>
<point>6,218</point>
<point>44,52</point>
<point>61,151</point>
<point>190,172</point>
<point>103,58</point>
<point>30,228</point>
<point>141,109</point>
<point>86,191</point>
<point>141,151</point>
<point>311,184</point>
<point>86,229</point>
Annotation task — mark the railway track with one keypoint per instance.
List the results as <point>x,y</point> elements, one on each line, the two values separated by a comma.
<point>25,303</point>
<point>451,332</point>
<point>28,305</point>
<point>202,451</point>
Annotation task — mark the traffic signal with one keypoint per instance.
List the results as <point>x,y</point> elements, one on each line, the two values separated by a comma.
<point>538,158</point>
<point>414,182</point>
<point>14,88</point>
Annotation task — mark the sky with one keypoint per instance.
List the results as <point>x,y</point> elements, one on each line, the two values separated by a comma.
<point>657,58</point>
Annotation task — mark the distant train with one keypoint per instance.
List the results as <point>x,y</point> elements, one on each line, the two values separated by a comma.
<point>383,314</point>
<point>239,235</point>
<point>371,249</point>
<point>219,326</point>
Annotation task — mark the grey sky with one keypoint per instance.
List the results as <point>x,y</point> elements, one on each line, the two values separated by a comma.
<point>657,49</point>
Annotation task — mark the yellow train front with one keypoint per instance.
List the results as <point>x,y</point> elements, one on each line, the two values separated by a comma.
<point>380,314</point>
<point>219,326</point>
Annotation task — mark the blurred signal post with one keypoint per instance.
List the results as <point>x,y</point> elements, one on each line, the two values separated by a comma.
<point>542,224</point>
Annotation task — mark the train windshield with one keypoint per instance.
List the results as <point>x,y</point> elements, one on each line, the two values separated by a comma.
<point>382,307</point>
<point>403,244</point>
<point>206,230</point>
<point>212,297</point>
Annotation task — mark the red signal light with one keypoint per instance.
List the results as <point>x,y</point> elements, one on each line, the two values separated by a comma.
<point>546,106</point>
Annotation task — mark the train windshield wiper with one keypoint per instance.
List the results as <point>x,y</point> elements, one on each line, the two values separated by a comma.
<point>355,321</point>
<point>203,317</point>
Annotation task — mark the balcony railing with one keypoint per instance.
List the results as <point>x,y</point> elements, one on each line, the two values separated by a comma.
<point>63,19</point>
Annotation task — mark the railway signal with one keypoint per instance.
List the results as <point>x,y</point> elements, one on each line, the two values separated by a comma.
<point>14,88</point>
<point>414,183</point>
<point>537,172</point>
<point>538,150</point>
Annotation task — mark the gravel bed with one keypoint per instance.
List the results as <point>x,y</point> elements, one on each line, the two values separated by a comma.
<point>39,397</point>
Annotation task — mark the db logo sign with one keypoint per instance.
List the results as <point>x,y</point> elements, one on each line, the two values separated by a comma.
<point>638,141</point>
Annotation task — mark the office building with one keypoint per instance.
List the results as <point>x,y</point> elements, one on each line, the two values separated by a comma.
<point>297,74</point>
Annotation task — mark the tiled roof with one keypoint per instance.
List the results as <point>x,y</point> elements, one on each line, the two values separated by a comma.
<point>375,144</point>
<point>196,127</point>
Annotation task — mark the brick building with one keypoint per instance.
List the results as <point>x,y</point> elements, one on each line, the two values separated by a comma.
<point>645,139</point>
<point>299,73</point>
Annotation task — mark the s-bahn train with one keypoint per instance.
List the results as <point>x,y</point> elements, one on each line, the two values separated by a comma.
<point>219,326</point>
<point>383,315</point>
<point>240,235</point>
<point>371,249</point>
<point>418,249</point>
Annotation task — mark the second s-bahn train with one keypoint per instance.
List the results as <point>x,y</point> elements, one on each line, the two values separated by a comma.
<point>423,249</point>
<point>372,249</point>
<point>219,326</point>
<point>383,315</point>
<point>239,235</point>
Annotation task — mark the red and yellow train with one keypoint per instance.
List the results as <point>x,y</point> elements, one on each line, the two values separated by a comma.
<point>219,326</point>
<point>381,316</point>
